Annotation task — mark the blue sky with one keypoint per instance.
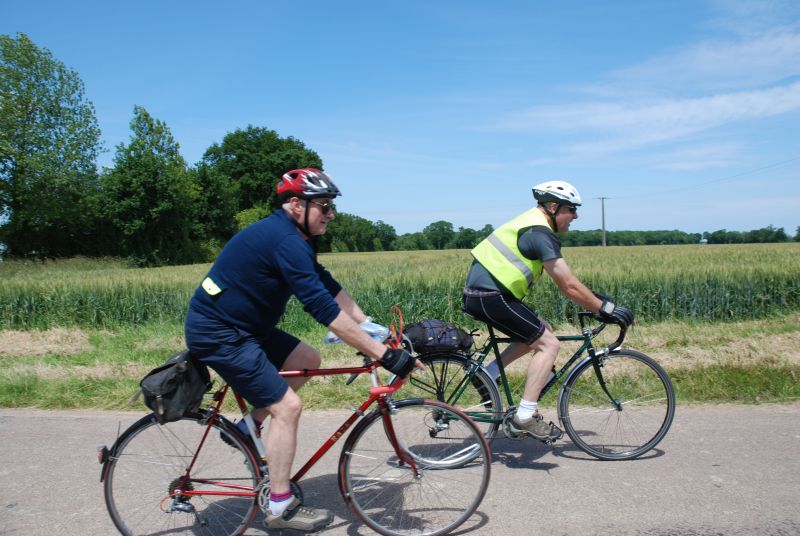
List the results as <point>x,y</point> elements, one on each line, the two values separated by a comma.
<point>685,114</point>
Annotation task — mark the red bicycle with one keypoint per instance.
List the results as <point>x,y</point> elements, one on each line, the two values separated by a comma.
<point>408,467</point>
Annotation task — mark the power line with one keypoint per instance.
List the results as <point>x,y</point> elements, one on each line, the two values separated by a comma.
<point>722,179</point>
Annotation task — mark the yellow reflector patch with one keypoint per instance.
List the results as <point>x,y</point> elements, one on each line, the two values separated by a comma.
<point>210,287</point>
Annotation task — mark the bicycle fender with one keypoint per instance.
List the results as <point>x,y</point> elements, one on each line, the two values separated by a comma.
<point>565,382</point>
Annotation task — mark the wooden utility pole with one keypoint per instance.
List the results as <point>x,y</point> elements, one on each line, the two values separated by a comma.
<point>603,217</point>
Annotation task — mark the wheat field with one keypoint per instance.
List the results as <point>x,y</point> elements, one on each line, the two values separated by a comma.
<point>659,283</point>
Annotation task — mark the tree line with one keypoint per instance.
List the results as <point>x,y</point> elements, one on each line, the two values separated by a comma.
<point>767,234</point>
<point>151,206</point>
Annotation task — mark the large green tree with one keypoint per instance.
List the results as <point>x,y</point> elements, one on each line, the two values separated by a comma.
<point>49,141</point>
<point>254,159</point>
<point>350,233</point>
<point>150,196</point>
<point>439,233</point>
<point>216,204</point>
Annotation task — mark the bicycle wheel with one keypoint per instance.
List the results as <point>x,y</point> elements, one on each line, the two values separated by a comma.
<point>386,493</point>
<point>637,418</point>
<point>143,479</point>
<point>447,374</point>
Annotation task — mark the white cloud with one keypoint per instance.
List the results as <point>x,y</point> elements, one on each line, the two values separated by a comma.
<point>638,123</point>
<point>750,74</point>
<point>718,65</point>
<point>696,157</point>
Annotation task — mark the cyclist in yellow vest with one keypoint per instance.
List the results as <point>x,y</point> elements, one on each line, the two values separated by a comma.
<point>506,265</point>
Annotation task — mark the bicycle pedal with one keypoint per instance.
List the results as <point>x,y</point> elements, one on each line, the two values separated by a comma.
<point>508,431</point>
<point>555,434</point>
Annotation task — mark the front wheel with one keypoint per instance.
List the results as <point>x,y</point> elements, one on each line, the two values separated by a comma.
<point>628,420</point>
<point>149,489</point>
<point>430,495</point>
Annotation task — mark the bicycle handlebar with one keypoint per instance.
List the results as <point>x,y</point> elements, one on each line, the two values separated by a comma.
<point>623,330</point>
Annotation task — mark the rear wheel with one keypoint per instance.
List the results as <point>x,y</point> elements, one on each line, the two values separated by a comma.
<point>447,380</point>
<point>427,482</point>
<point>148,491</point>
<point>633,420</point>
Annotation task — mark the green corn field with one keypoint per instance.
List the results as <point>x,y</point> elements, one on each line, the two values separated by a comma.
<point>659,283</point>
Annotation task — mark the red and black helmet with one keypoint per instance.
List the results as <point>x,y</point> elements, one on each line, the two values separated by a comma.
<point>306,183</point>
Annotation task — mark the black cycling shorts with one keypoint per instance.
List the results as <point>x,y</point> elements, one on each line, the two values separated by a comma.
<point>505,313</point>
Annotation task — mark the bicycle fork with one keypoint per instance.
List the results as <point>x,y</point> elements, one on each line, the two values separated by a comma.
<point>403,456</point>
<point>598,366</point>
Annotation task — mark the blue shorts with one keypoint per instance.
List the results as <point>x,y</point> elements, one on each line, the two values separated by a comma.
<point>248,363</point>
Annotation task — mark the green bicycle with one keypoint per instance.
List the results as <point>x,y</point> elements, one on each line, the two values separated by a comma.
<point>614,403</point>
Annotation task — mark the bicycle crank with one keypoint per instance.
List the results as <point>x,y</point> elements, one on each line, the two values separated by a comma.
<point>507,430</point>
<point>263,492</point>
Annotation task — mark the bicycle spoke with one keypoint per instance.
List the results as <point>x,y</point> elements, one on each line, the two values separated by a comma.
<point>646,406</point>
<point>447,380</point>
<point>447,486</point>
<point>151,463</point>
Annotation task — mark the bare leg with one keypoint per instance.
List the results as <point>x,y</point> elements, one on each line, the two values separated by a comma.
<point>513,351</point>
<point>302,357</point>
<point>281,441</point>
<point>546,348</point>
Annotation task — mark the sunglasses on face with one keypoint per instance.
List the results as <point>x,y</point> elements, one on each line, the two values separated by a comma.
<point>326,207</point>
<point>570,208</point>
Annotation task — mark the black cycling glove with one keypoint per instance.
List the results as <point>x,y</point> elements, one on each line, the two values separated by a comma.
<point>398,361</point>
<point>615,314</point>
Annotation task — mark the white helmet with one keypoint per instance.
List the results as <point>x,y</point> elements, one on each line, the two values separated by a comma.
<point>559,192</point>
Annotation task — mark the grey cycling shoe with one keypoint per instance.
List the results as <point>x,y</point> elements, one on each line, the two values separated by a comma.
<point>299,517</point>
<point>536,427</point>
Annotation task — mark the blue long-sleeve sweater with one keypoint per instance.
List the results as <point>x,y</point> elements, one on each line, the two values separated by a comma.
<point>257,272</point>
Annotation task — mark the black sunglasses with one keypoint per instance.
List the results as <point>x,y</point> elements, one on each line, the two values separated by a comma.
<point>326,207</point>
<point>571,208</point>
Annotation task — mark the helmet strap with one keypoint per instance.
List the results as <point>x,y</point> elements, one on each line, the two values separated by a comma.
<point>312,239</point>
<point>305,227</point>
<point>302,227</point>
<point>552,215</point>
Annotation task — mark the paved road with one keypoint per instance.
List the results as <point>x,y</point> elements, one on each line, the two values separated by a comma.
<point>722,470</point>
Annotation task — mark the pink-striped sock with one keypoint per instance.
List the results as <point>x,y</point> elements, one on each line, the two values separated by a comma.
<point>278,502</point>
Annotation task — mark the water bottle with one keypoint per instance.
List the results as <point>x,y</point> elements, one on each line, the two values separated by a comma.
<point>376,331</point>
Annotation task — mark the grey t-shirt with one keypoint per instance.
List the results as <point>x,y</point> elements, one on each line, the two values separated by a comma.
<point>536,243</point>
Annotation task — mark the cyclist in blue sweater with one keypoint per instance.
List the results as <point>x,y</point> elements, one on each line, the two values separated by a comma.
<point>232,319</point>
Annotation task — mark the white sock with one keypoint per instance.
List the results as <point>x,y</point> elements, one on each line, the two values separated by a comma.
<point>526,409</point>
<point>278,507</point>
<point>494,370</point>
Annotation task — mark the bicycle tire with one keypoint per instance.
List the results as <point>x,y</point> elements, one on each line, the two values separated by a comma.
<point>480,399</point>
<point>609,432</point>
<point>384,492</point>
<point>146,462</point>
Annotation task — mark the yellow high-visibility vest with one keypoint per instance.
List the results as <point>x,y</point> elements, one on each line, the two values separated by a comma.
<point>499,254</point>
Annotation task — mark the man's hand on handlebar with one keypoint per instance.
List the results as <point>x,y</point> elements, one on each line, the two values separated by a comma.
<point>399,362</point>
<point>616,314</point>
<point>612,313</point>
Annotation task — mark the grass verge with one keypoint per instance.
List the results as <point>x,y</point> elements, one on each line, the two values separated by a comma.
<point>743,362</point>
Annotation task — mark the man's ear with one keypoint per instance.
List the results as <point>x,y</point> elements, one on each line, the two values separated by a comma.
<point>296,205</point>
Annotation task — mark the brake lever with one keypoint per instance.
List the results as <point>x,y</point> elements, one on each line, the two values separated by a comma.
<point>352,378</point>
<point>355,375</point>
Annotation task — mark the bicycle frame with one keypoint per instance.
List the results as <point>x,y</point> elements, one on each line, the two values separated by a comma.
<point>377,393</point>
<point>493,346</point>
